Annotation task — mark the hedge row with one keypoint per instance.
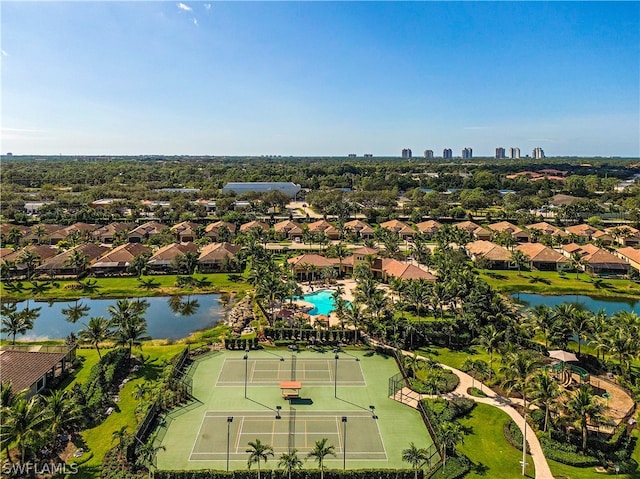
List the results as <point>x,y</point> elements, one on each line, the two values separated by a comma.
<point>304,474</point>
<point>330,336</point>
<point>449,382</point>
<point>564,454</point>
<point>456,467</point>
<point>513,435</point>
<point>242,344</point>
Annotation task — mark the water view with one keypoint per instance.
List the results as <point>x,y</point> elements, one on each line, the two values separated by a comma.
<point>322,301</point>
<point>172,317</point>
<point>610,306</point>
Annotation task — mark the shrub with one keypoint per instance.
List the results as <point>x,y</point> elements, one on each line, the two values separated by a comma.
<point>513,434</point>
<point>456,467</point>
<point>565,453</point>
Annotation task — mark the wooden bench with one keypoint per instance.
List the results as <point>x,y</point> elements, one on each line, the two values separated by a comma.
<point>291,395</point>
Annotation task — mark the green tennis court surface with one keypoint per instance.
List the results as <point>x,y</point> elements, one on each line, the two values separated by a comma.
<point>295,429</point>
<point>270,372</point>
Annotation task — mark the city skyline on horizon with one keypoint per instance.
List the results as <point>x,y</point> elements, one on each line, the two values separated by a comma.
<point>316,79</point>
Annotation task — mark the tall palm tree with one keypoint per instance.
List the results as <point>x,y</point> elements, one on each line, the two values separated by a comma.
<point>30,259</point>
<point>585,407</point>
<point>490,339</point>
<point>26,421</point>
<point>258,452</point>
<point>146,454</point>
<point>290,461</point>
<point>95,332</point>
<point>16,322</point>
<point>517,370</point>
<point>319,452</point>
<point>543,319</point>
<point>77,260</point>
<point>416,456</point>
<point>581,326</point>
<point>544,393</point>
<point>123,439</point>
<point>62,413</point>
<point>131,334</point>
<point>451,434</point>
<point>520,259</point>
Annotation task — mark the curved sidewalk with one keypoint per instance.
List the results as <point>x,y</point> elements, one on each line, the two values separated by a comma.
<point>542,470</point>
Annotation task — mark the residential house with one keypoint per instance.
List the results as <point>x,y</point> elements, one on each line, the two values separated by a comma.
<point>602,238</point>
<point>288,229</point>
<point>360,229</point>
<point>258,225</point>
<point>582,233</point>
<point>492,255</point>
<point>217,257</point>
<point>403,230</point>
<point>107,234</point>
<point>630,255</point>
<point>543,258</point>
<point>625,235</point>
<point>14,257</point>
<point>117,260</point>
<point>597,261</point>
<point>546,229</point>
<point>31,371</point>
<point>476,232</point>
<point>162,260</point>
<point>44,233</point>
<point>429,228</point>
<point>505,227</point>
<point>61,264</point>
<point>325,227</point>
<point>391,268</point>
<point>185,232</point>
<point>309,266</point>
<point>80,230</point>
<point>146,231</point>
<point>214,230</point>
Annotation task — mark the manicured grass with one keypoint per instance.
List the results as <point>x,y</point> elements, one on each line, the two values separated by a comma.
<point>130,286</point>
<point>456,359</point>
<point>99,439</point>
<point>487,448</point>
<point>551,282</point>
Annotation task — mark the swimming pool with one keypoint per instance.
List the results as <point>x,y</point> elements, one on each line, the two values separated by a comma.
<point>321,300</point>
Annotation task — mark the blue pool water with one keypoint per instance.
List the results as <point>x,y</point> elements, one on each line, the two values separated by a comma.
<point>321,300</point>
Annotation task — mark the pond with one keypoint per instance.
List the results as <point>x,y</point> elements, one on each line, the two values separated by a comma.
<point>610,306</point>
<point>170,317</point>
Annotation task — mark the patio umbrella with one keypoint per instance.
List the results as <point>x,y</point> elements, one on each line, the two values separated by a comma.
<point>564,356</point>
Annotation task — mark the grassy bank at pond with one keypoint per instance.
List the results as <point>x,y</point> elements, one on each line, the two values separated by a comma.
<point>164,285</point>
<point>550,282</point>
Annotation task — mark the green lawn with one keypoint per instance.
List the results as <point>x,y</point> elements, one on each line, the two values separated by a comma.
<point>490,453</point>
<point>456,359</point>
<point>550,282</point>
<point>130,286</point>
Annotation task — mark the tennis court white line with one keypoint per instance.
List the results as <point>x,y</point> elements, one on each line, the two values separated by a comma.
<point>340,448</point>
<point>381,439</point>
<point>237,441</point>
<point>198,434</point>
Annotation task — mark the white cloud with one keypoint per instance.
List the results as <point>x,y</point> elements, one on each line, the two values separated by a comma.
<point>195,21</point>
<point>184,7</point>
<point>4,53</point>
<point>207,6</point>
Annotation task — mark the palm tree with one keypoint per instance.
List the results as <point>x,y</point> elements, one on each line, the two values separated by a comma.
<point>25,424</point>
<point>415,456</point>
<point>319,452</point>
<point>290,461</point>
<point>543,320</point>
<point>30,259</point>
<point>96,332</point>
<point>544,393</point>
<point>146,454</point>
<point>16,322</point>
<point>123,438</point>
<point>490,339</point>
<point>77,260</point>
<point>62,413</point>
<point>577,262</point>
<point>451,435</point>
<point>520,259</point>
<point>581,325</point>
<point>258,452</point>
<point>585,407</point>
<point>131,334</point>
<point>517,370</point>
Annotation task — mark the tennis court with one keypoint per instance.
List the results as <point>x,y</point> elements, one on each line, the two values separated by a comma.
<point>294,430</point>
<point>270,372</point>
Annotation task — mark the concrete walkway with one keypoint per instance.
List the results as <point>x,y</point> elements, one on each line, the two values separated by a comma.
<point>542,470</point>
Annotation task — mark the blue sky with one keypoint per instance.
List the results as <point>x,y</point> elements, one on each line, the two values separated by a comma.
<point>319,78</point>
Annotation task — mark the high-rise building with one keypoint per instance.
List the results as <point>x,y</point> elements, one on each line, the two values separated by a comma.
<point>447,153</point>
<point>406,153</point>
<point>514,153</point>
<point>467,153</point>
<point>428,154</point>
<point>538,153</point>
<point>500,153</point>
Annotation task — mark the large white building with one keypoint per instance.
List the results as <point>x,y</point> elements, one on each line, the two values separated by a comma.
<point>514,153</point>
<point>538,153</point>
<point>500,153</point>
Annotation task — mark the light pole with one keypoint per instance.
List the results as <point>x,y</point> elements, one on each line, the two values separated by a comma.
<point>246,371</point>
<point>344,442</point>
<point>335,378</point>
<point>524,447</point>
<point>229,421</point>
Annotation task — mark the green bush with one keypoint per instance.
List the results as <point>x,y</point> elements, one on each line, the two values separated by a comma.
<point>456,467</point>
<point>566,453</point>
<point>513,434</point>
